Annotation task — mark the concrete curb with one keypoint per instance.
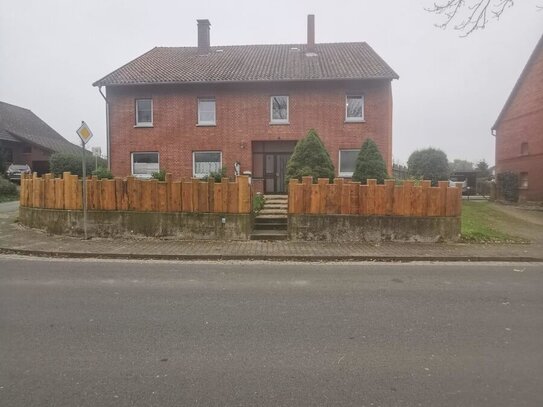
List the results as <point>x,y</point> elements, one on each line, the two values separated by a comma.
<point>300,258</point>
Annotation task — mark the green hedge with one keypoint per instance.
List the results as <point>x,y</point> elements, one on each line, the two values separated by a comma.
<point>61,162</point>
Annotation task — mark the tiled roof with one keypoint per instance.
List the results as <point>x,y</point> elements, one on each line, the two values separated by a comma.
<point>254,63</point>
<point>21,124</point>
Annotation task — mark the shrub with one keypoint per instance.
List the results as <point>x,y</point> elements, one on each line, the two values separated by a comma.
<point>310,158</point>
<point>370,164</point>
<point>216,175</point>
<point>102,172</point>
<point>159,175</point>
<point>430,164</point>
<point>62,162</point>
<point>508,183</point>
<point>7,188</point>
<point>258,202</point>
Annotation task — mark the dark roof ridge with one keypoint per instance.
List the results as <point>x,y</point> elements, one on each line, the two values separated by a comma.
<point>263,45</point>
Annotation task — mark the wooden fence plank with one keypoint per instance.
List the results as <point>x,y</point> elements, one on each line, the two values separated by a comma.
<point>389,196</point>
<point>425,185</point>
<point>217,202</point>
<point>323,191</point>
<point>109,199</point>
<point>332,201</point>
<point>233,197</point>
<point>299,198</point>
<point>380,203</point>
<point>244,191</point>
<point>291,194</point>
<point>161,197</point>
<point>307,182</point>
<point>121,194</point>
<point>175,197</point>
<point>146,196</point>
<point>354,198</point>
<point>442,185</point>
<point>133,191</point>
<point>59,193</point>
<point>407,198</point>
<point>203,197</point>
<point>186,196</point>
<point>372,183</point>
<point>315,199</point>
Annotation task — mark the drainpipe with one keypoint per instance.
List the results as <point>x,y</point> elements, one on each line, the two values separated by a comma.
<point>108,142</point>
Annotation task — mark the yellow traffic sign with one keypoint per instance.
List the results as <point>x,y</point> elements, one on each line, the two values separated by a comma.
<point>84,132</point>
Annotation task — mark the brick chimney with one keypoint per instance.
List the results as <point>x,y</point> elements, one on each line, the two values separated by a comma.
<point>203,36</point>
<point>310,33</point>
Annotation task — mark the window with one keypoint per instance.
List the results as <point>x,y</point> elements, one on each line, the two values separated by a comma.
<point>144,164</point>
<point>523,181</point>
<point>144,112</point>
<point>206,162</point>
<point>347,162</point>
<point>354,108</point>
<point>524,149</point>
<point>206,111</point>
<point>279,109</point>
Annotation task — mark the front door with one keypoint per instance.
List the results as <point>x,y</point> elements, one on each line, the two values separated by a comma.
<point>275,169</point>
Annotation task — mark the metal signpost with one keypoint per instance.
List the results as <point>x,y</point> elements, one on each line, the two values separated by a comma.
<point>85,134</point>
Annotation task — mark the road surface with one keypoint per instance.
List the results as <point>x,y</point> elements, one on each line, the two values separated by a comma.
<point>127,333</point>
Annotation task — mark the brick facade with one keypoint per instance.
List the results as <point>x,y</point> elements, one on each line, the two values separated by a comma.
<point>519,130</point>
<point>243,116</point>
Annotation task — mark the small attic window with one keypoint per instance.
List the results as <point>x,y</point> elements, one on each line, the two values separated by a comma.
<point>220,50</point>
<point>294,49</point>
<point>310,54</point>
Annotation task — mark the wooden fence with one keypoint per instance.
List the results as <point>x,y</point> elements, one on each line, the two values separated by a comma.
<point>132,194</point>
<point>351,198</point>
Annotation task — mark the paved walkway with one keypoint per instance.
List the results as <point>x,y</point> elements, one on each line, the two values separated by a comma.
<point>15,238</point>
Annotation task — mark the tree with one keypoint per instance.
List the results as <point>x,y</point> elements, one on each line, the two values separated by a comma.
<point>482,169</point>
<point>310,158</point>
<point>430,164</point>
<point>460,165</point>
<point>370,164</point>
<point>468,16</point>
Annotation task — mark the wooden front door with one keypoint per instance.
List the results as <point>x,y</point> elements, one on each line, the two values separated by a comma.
<point>275,169</point>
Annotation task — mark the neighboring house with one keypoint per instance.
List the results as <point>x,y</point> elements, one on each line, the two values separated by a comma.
<point>519,130</point>
<point>27,139</point>
<point>192,110</point>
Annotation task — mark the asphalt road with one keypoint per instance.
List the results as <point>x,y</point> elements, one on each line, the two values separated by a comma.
<point>114,333</point>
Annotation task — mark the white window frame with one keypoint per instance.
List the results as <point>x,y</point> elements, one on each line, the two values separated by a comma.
<point>208,123</point>
<point>345,174</point>
<point>144,124</point>
<point>194,162</point>
<point>354,119</point>
<point>132,163</point>
<point>279,121</point>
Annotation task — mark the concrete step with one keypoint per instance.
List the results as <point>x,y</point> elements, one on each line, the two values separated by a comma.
<point>283,197</point>
<point>269,235</point>
<point>275,206</point>
<point>270,226</point>
<point>271,219</point>
<point>273,212</point>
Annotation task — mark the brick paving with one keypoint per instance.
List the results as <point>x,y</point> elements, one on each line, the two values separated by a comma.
<point>15,238</point>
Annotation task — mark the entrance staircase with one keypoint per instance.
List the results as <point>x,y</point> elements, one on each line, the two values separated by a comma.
<point>271,221</point>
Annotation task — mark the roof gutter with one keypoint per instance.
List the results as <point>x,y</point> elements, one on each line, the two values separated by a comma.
<point>108,141</point>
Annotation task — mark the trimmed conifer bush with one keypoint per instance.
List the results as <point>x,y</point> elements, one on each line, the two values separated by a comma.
<point>508,183</point>
<point>310,158</point>
<point>370,164</point>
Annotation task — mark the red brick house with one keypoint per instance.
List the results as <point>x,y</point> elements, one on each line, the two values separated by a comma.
<point>519,130</point>
<point>192,110</point>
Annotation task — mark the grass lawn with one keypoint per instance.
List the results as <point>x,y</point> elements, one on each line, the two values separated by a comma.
<point>483,224</point>
<point>9,198</point>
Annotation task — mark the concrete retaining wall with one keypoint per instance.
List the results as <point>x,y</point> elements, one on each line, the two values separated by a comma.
<point>197,226</point>
<point>352,228</point>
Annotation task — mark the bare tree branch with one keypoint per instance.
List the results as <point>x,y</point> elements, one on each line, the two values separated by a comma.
<point>478,13</point>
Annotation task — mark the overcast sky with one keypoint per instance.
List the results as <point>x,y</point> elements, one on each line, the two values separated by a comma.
<point>449,94</point>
